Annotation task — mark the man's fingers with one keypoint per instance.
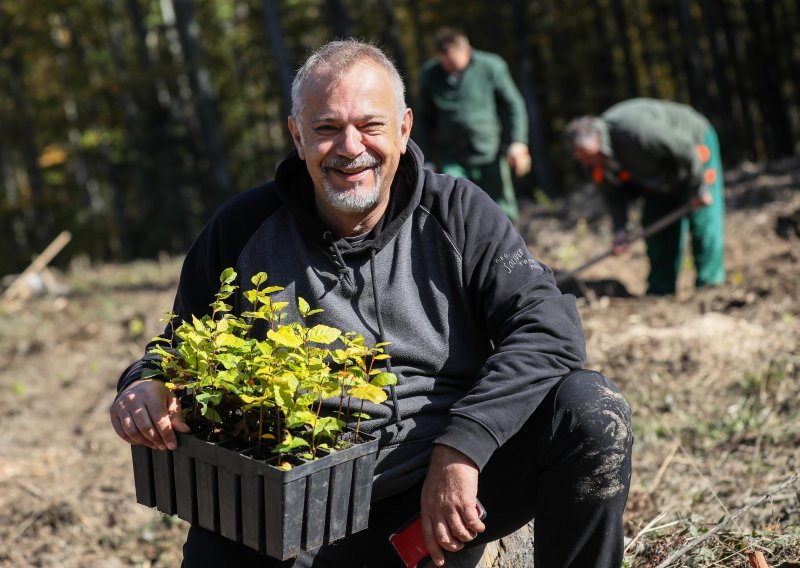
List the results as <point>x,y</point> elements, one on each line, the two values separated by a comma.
<point>148,427</point>
<point>145,413</point>
<point>176,416</point>
<point>472,520</point>
<point>431,543</point>
<point>445,537</point>
<point>118,428</point>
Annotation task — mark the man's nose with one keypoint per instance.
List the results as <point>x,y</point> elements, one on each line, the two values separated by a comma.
<point>351,142</point>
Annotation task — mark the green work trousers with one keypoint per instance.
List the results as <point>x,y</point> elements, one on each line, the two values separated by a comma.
<point>494,178</point>
<point>705,225</point>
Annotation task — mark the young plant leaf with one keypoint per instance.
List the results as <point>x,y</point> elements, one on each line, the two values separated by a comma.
<point>323,334</point>
<point>368,392</point>
<point>384,380</point>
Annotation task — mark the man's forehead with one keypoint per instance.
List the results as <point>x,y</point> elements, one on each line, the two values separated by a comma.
<point>330,115</point>
<point>362,89</point>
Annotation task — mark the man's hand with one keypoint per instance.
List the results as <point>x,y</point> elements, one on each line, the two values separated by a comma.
<point>621,242</point>
<point>448,514</point>
<point>519,158</point>
<point>701,201</point>
<point>146,413</point>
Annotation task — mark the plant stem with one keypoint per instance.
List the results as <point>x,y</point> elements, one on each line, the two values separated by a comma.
<point>358,422</point>
<point>260,423</point>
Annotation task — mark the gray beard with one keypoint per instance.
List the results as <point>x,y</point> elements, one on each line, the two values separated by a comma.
<point>353,200</point>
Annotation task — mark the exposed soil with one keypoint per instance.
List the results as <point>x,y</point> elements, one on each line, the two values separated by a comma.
<point>712,376</point>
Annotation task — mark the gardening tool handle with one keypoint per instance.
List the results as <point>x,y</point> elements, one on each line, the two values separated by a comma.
<point>648,231</point>
<point>663,223</point>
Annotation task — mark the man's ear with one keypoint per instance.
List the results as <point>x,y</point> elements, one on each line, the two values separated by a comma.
<point>297,137</point>
<point>405,129</point>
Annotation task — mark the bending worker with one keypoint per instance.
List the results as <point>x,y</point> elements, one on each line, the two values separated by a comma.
<point>668,154</point>
<point>471,120</point>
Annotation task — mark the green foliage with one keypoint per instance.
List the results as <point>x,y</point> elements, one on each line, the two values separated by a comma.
<point>270,391</point>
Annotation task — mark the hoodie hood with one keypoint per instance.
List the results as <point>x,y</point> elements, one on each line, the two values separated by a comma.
<point>296,189</point>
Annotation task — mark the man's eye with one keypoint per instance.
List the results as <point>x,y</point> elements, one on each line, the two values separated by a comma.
<point>326,129</point>
<point>372,126</point>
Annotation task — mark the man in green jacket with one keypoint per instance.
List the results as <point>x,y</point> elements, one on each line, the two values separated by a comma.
<point>471,120</point>
<point>668,154</point>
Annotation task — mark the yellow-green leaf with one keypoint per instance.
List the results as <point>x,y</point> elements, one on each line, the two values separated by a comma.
<point>368,392</point>
<point>323,334</point>
<point>285,336</point>
<point>384,380</point>
<point>302,306</point>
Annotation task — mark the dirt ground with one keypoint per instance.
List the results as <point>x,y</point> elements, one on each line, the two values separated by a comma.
<point>712,376</point>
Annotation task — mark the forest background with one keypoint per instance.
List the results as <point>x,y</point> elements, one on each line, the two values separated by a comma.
<point>127,122</point>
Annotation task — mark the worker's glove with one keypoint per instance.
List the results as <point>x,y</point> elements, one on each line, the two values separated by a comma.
<point>519,158</point>
<point>621,242</point>
<point>702,200</point>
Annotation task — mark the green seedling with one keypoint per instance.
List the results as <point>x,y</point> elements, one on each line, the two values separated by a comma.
<point>270,390</point>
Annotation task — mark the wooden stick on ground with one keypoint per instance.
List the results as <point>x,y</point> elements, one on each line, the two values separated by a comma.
<point>756,559</point>
<point>686,548</point>
<point>664,465</point>
<point>38,264</point>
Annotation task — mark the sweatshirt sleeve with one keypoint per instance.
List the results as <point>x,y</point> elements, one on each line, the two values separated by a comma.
<point>536,331</point>
<point>215,249</point>
<point>199,282</point>
<point>511,98</point>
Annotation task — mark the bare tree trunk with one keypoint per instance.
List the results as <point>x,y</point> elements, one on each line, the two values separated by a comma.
<point>729,134</point>
<point>392,35</point>
<point>603,90</point>
<point>776,50</point>
<point>540,164</point>
<point>646,46</point>
<point>38,217</point>
<point>272,25</point>
<point>663,14</point>
<point>84,175</point>
<point>698,88</point>
<point>14,238</point>
<point>742,85</point>
<point>419,40</point>
<point>621,22</point>
<point>203,96</point>
<point>767,89</point>
<point>338,18</point>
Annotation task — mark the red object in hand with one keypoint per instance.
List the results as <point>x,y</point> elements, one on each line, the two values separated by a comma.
<point>409,543</point>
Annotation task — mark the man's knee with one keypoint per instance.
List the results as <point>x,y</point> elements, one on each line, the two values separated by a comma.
<point>596,407</point>
<point>595,412</point>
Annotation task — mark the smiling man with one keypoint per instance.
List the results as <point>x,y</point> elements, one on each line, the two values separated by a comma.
<point>492,402</point>
<point>350,127</point>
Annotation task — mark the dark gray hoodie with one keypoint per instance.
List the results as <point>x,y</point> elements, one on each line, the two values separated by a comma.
<point>479,331</point>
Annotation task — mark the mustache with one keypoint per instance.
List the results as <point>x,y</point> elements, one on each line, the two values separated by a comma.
<point>362,161</point>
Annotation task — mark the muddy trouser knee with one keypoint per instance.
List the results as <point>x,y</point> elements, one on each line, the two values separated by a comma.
<point>569,467</point>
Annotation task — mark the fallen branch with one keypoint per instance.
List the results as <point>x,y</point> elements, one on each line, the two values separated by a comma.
<point>665,464</point>
<point>686,548</point>
<point>756,559</point>
<point>38,264</point>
